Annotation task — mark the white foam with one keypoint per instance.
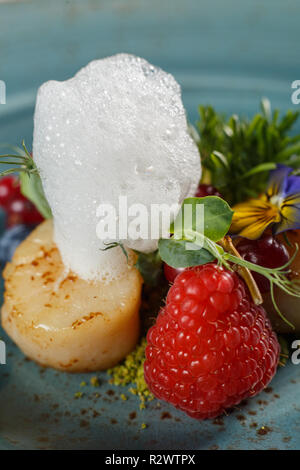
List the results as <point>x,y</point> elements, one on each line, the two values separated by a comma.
<point>118,127</point>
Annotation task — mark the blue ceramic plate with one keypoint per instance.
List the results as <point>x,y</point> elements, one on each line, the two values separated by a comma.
<point>228,54</point>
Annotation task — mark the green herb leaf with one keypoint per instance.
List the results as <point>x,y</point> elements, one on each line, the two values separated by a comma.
<point>259,169</point>
<point>215,213</point>
<point>31,187</point>
<point>175,253</point>
<point>150,267</point>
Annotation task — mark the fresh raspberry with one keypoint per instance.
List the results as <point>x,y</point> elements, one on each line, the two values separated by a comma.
<point>211,347</point>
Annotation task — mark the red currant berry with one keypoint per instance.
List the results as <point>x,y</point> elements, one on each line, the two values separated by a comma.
<point>22,211</point>
<point>32,215</point>
<point>207,190</point>
<point>8,190</point>
<point>267,252</point>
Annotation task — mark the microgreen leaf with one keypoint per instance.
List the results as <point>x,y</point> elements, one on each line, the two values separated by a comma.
<point>181,254</point>
<point>31,187</point>
<point>209,215</point>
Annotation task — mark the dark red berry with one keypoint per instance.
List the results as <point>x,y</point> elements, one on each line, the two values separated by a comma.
<point>211,347</point>
<point>171,273</point>
<point>207,190</point>
<point>8,190</point>
<point>21,211</point>
<point>267,252</point>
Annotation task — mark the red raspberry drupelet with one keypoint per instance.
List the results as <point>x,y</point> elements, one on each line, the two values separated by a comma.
<point>211,347</point>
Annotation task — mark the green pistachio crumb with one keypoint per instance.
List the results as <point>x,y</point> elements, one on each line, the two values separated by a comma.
<point>95,381</point>
<point>131,371</point>
<point>78,395</point>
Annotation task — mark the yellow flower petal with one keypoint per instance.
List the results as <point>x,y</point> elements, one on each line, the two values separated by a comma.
<point>252,217</point>
<point>290,213</point>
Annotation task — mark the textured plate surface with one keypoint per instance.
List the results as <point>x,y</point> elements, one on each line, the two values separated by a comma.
<point>228,54</point>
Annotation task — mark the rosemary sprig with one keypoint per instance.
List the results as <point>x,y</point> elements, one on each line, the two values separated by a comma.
<point>20,163</point>
<point>110,245</point>
<point>30,182</point>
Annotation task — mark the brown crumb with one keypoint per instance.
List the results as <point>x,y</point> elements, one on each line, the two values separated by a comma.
<point>165,415</point>
<point>218,421</point>
<point>241,418</point>
<point>132,415</point>
<point>262,402</point>
<point>263,430</point>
